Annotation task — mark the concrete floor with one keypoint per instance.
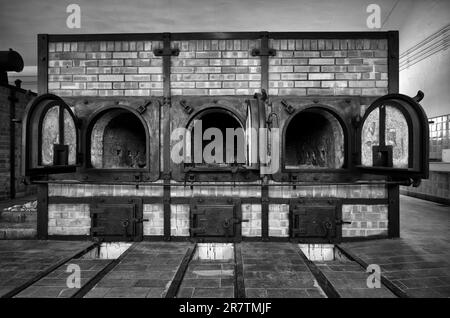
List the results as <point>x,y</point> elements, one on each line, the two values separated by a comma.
<point>418,263</point>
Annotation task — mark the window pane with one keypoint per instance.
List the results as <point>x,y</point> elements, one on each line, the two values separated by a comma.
<point>397,136</point>
<point>50,134</point>
<point>370,137</point>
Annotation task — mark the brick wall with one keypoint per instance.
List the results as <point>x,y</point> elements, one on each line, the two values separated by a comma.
<point>154,213</point>
<point>330,191</point>
<point>113,68</point>
<point>436,188</point>
<point>215,67</point>
<point>279,220</point>
<point>69,219</point>
<point>366,220</point>
<point>89,190</point>
<point>237,189</point>
<point>328,67</point>
<point>23,99</point>
<point>219,67</point>
<point>179,219</point>
<point>252,213</point>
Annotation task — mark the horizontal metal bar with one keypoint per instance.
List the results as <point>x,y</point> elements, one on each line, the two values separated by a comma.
<point>214,36</point>
<point>287,184</point>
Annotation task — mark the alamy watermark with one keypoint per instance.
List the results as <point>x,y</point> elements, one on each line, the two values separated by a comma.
<point>210,146</point>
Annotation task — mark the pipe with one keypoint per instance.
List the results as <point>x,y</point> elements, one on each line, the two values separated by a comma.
<point>10,61</point>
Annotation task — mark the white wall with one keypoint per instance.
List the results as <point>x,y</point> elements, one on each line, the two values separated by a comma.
<point>432,74</point>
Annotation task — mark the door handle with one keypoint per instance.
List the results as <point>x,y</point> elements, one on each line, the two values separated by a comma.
<point>228,222</point>
<point>340,222</point>
<point>140,220</point>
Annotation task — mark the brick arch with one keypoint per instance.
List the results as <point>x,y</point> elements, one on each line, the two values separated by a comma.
<point>321,143</point>
<point>95,136</point>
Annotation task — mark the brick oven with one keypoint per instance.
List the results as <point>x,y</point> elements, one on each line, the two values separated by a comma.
<point>99,137</point>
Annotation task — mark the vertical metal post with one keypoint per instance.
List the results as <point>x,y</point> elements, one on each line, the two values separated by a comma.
<point>12,143</point>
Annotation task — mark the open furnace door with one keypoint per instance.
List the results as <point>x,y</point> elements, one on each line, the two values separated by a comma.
<point>51,137</point>
<point>393,138</point>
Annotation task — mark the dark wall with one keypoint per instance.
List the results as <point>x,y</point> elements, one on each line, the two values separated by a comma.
<point>23,97</point>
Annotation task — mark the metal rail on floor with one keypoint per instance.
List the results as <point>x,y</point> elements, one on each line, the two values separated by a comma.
<point>94,280</point>
<point>178,278</point>
<point>322,280</point>
<point>385,281</point>
<point>47,271</point>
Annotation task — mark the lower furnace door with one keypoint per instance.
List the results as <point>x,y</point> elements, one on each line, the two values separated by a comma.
<point>215,220</point>
<point>315,221</point>
<point>116,222</point>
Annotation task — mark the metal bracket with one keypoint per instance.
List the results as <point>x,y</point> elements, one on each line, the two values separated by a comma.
<point>142,108</point>
<point>263,52</point>
<point>188,109</point>
<point>166,52</point>
<point>356,121</point>
<point>420,95</point>
<point>287,107</point>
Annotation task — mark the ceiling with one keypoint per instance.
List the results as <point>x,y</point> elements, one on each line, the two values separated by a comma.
<point>21,20</point>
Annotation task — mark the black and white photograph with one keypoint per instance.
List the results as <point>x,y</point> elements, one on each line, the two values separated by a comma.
<point>222,157</point>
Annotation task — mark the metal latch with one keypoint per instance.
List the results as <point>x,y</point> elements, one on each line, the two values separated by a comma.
<point>340,222</point>
<point>231,221</point>
<point>139,220</point>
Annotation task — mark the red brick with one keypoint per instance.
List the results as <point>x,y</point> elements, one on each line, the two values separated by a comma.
<point>85,78</point>
<point>281,69</point>
<point>137,78</point>
<point>195,91</point>
<point>221,91</point>
<point>73,70</point>
<point>111,63</point>
<point>294,76</point>
<point>292,91</point>
<point>208,55</point>
<point>208,84</point>
<point>150,70</point>
<point>374,91</point>
<point>99,55</point>
<point>125,55</point>
<point>124,70</point>
<point>183,84</point>
<point>321,76</point>
<point>111,78</point>
<point>233,84</point>
<point>99,85</point>
<point>320,91</point>
<point>321,61</point>
<point>333,54</point>
<point>307,83</point>
<point>137,92</point>
<point>98,70</point>
<point>125,85</point>
<point>334,83</point>
<point>361,84</point>
<point>333,68</point>
<point>208,70</point>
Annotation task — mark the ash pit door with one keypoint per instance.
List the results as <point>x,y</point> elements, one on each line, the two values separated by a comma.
<point>116,222</point>
<point>314,221</point>
<point>215,220</point>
